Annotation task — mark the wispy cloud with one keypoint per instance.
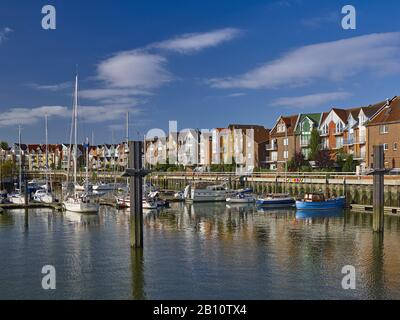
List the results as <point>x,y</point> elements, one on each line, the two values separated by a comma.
<point>4,33</point>
<point>376,53</point>
<point>236,94</point>
<point>29,116</point>
<point>317,21</point>
<point>194,42</point>
<point>51,87</point>
<point>311,101</point>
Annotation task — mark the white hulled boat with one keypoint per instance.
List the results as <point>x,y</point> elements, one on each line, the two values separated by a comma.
<point>17,197</point>
<point>203,193</point>
<point>85,202</point>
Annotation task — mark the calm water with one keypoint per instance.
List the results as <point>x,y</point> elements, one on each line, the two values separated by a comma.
<point>206,251</point>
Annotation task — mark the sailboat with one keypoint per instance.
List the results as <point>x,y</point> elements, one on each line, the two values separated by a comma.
<point>44,194</point>
<point>80,202</point>
<point>17,197</point>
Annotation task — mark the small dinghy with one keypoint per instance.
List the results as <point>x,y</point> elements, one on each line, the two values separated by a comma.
<point>317,201</point>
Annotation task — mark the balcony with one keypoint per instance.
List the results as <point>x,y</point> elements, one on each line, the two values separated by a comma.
<point>338,132</point>
<point>271,159</point>
<point>304,143</point>
<point>324,133</point>
<point>272,146</point>
<point>352,140</point>
<point>359,155</point>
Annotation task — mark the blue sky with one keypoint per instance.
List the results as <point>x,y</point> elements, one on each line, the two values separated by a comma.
<point>203,63</point>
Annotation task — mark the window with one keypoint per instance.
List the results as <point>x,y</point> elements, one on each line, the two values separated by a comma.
<point>285,154</point>
<point>339,127</point>
<point>280,128</point>
<point>286,142</point>
<point>395,146</point>
<point>324,129</point>
<point>383,129</point>
<point>339,142</point>
<point>385,146</point>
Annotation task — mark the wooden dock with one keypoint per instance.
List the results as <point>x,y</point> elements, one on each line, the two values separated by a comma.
<point>32,205</point>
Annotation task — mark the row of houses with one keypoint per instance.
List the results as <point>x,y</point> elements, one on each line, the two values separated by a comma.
<point>101,157</point>
<point>351,131</point>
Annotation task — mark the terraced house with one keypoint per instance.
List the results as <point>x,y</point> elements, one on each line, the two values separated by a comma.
<point>307,122</point>
<point>384,128</point>
<point>355,133</point>
<point>282,146</point>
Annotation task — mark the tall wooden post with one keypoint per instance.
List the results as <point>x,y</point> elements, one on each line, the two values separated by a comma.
<point>26,193</point>
<point>136,193</point>
<point>378,195</point>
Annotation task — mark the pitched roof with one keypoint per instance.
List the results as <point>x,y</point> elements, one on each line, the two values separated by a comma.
<point>388,114</point>
<point>290,122</point>
<point>370,110</point>
<point>314,117</point>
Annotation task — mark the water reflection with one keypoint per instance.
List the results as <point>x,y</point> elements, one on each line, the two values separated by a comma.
<point>137,267</point>
<point>309,214</point>
<point>200,251</point>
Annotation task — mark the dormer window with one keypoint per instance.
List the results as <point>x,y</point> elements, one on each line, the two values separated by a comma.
<point>339,127</point>
<point>281,128</point>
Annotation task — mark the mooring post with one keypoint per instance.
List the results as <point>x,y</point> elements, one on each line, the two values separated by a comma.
<point>346,202</point>
<point>136,174</point>
<point>327,195</point>
<point>26,198</point>
<point>378,195</point>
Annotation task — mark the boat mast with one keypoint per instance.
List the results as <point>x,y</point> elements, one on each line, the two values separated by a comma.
<point>20,160</point>
<point>47,152</point>
<point>287,155</point>
<point>75,127</point>
<point>87,165</point>
<point>127,145</point>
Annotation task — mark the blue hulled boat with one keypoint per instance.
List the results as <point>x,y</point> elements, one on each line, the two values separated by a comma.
<point>316,201</point>
<point>276,201</point>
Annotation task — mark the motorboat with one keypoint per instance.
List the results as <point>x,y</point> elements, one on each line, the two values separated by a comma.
<point>83,203</point>
<point>206,193</point>
<point>241,198</point>
<point>16,198</point>
<point>317,201</point>
<point>125,202</point>
<point>44,195</point>
<point>276,200</point>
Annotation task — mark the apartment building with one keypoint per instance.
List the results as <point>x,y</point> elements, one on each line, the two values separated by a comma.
<point>306,124</point>
<point>249,146</point>
<point>383,129</point>
<point>282,146</point>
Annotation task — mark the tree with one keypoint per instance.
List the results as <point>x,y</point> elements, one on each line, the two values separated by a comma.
<point>324,160</point>
<point>315,144</point>
<point>349,165</point>
<point>3,145</point>
<point>297,162</point>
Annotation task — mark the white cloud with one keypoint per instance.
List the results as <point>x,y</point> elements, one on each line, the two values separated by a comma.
<point>3,33</point>
<point>28,116</point>
<point>376,53</point>
<point>193,42</point>
<point>312,100</point>
<point>134,69</point>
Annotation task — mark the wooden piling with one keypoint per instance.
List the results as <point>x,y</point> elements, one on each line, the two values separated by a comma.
<point>136,196</point>
<point>378,195</point>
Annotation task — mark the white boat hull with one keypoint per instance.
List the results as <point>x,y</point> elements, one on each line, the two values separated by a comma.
<point>205,195</point>
<point>243,200</point>
<point>126,203</point>
<point>17,199</point>
<point>82,207</point>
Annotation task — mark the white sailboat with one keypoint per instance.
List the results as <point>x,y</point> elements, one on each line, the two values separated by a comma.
<point>80,202</point>
<point>17,197</point>
<point>45,194</point>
